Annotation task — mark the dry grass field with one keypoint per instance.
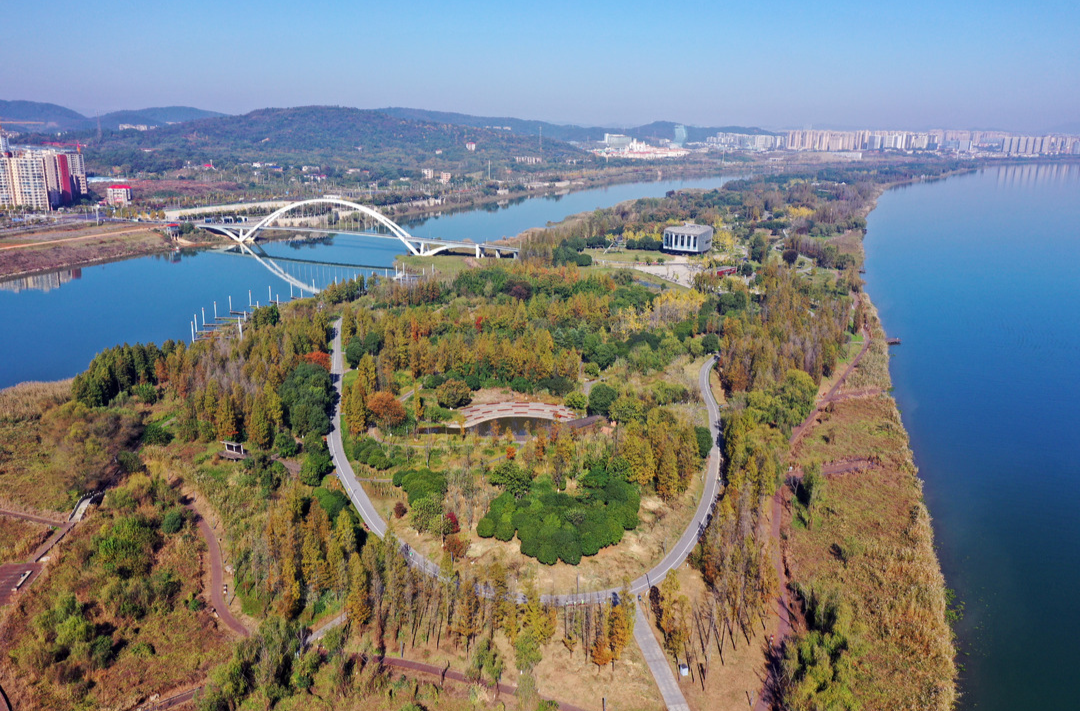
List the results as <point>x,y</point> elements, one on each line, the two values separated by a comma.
<point>870,543</point>
<point>18,538</point>
<point>61,248</point>
<point>161,651</point>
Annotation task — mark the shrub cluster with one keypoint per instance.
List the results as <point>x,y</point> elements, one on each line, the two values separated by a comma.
<point>425,489</point>
<point>421,484</point>
<point>371,452</point>
<point>555,526</point>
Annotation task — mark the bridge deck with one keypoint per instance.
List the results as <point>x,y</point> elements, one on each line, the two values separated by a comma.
<point>383,235</point>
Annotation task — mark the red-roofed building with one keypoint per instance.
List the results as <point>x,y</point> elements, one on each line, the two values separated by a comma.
<point>118,195</point>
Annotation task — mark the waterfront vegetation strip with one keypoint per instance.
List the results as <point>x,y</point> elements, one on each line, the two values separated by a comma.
<point>860,554</point>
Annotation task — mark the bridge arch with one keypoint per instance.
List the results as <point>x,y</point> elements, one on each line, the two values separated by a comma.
<point>418,246</point>
<point>393,227</point>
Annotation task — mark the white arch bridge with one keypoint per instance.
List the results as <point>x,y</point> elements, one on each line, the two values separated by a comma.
<point>326,216</point>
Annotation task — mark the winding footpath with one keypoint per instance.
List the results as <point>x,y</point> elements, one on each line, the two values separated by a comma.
<point>658,662</point>
<point>217,575</point>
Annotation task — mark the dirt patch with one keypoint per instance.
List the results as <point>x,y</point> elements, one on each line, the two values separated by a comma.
<point>67,250</point>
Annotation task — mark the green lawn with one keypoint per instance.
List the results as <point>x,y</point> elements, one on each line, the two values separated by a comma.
<point>628,255</point>
<point>448,265</point>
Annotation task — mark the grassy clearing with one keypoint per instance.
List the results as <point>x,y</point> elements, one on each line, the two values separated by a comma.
<point>47,464</point>
<point>872,546</point>
<point>640,549</point>
<point>446,265</point>
<point>628,255</point>
<point>861,427</point>
<point>29,401</point>
<point>850,242</point>
<point>566,676</point>
<point>18,538</point>
<point>562,674</point>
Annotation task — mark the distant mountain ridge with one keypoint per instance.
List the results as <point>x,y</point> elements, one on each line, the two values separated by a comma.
<point>654,131</point>
<point>156,116</point>
<point>332,137</point>
<point>51,116</point>
<point>54,117</point>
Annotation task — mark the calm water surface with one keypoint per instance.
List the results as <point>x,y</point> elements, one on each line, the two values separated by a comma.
<point>52,334</point>
<point>980,277</point>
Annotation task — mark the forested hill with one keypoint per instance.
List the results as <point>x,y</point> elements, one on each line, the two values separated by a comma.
<point>326,136</point>
<point>649,132</point>
<point>156,116</point>
<point>50,117</point>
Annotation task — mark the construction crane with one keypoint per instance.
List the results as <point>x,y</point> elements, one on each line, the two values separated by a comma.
<point>78,146</point>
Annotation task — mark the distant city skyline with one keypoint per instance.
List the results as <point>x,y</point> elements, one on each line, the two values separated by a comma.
<point>776,64</point>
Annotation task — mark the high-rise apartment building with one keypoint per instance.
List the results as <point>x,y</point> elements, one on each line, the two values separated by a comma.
<point>29,188</point>
<point>41,179</point>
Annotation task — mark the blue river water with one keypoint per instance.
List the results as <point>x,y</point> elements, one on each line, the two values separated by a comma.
<point>980,277</point>
<point>52,325</point>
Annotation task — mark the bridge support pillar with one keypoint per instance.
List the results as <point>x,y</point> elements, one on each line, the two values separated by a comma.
<point>479,252</point>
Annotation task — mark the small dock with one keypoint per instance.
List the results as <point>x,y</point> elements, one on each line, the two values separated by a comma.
<point>892,341</point>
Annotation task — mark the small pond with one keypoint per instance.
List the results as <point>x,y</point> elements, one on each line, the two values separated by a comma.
<point>522,427</point>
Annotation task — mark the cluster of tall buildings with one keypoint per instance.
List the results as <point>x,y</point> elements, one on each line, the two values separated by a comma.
<point>40,179</point>
<point>811,140</point>
<point>746,141</point>
<point>1040,145</point>
<point>936,140</point>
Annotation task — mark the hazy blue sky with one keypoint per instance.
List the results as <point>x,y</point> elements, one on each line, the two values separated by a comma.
<point>772,63</point>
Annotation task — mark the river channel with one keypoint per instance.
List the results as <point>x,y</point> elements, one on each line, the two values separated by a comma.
<point>53,324</point>
<point>980,276</point>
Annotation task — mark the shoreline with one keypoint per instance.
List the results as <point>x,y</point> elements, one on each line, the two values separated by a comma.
<point>98,261</point>
<point>842,416</point>
<point>636,176</point>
